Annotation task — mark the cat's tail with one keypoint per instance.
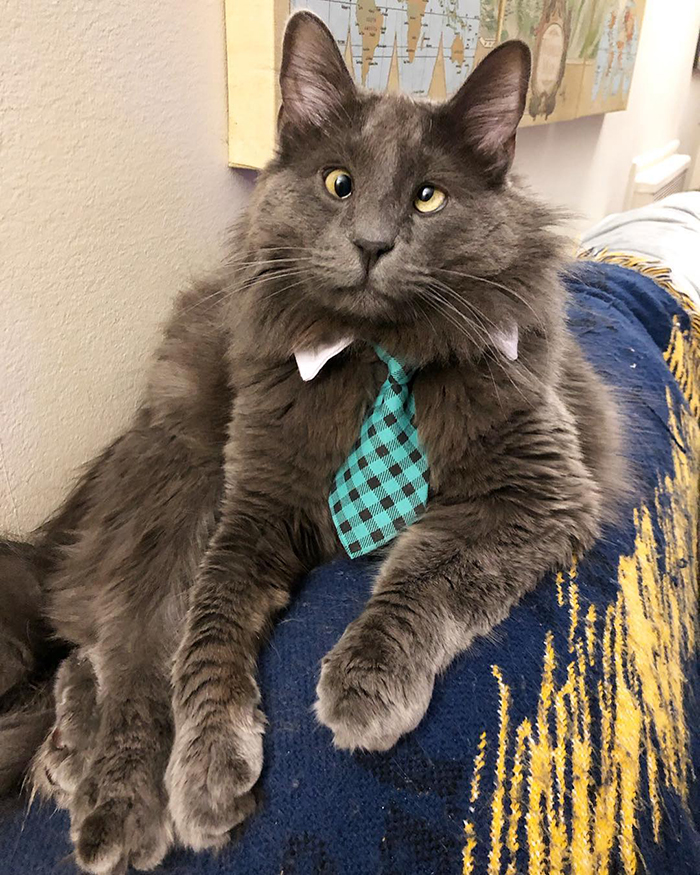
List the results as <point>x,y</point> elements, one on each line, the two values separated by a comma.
<point>28,661</point>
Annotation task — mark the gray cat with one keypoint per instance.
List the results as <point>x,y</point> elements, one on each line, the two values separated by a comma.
<point>392,222</point>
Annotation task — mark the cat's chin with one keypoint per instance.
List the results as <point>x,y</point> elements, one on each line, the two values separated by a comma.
<point>369,304</point>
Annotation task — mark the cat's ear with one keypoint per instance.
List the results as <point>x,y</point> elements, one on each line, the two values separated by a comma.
<point>314,81</point>
<point>488,107</point>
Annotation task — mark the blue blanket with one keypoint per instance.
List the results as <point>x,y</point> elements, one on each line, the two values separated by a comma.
<point>564,742</point>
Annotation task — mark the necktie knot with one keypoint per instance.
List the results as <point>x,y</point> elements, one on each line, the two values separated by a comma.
<point>397,371</point>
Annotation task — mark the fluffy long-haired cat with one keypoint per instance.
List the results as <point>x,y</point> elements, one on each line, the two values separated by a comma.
<point>384,230</point>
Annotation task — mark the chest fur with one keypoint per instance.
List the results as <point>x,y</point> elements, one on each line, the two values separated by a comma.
<point>296,434</point>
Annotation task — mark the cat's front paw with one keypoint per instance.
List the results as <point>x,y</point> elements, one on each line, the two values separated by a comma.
<point>213,767</point>
<point>369,693</point>
<point>117,822</point>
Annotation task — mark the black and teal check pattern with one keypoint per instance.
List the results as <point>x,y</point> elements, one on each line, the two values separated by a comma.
<point>383,486</point>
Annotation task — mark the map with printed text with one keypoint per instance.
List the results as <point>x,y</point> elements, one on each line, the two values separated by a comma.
<point>398,43</point>
<point>583,50</point>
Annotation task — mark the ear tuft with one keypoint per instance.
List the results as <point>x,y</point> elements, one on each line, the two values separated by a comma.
<point>314,80</point>
<point>490,104</point>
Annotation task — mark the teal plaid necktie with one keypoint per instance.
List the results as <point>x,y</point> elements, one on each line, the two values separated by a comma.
<point>383,485</point>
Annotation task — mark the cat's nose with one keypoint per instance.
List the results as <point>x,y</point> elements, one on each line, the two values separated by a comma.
<point>372,250</point>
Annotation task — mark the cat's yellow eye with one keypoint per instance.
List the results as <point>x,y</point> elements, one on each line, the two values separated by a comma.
<point>339,183</point>
<point>429,199</point>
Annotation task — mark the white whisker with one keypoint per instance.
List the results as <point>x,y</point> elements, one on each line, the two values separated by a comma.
<point>503,288</point>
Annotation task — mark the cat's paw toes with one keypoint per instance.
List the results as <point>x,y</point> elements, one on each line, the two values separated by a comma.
<point>130,830</point>
<point>100,841</point>
<point>203,826</point>
<point>211,772</point>
<point>368,697</point>
<point>57,769</point>
<point>62,760</point>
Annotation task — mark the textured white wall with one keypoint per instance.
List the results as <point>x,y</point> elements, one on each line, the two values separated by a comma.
<point>114,191</point>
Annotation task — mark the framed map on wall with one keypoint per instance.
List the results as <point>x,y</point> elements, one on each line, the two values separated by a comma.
<point>583,54</point>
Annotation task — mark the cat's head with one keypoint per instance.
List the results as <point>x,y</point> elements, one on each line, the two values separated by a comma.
<point>384,213</point>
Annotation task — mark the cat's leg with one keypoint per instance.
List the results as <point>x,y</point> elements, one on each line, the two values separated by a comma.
<point>118,810</point>
<point>117,815</point>
<point>104,759</point>
<point>217,754</point>
<point>447,580</point>
<point>137,529</point>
